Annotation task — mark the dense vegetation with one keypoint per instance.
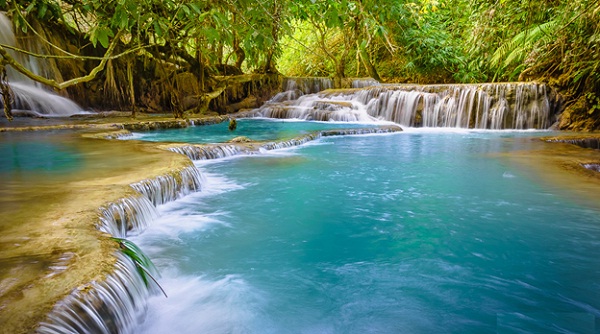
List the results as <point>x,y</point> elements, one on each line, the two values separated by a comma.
<point>557,41</point>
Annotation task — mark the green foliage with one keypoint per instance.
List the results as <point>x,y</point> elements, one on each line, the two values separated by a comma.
<point>143,264</point>
<point>519,47</point>
<point>409,40</point>
<point>142,261</point>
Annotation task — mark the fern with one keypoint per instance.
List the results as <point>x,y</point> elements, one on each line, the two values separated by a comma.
<point>516,49</point>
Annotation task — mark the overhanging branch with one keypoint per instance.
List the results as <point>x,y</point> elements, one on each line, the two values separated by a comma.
<point>8,60</point>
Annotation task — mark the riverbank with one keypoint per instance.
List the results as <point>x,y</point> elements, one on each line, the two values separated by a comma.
<point>49,241</point>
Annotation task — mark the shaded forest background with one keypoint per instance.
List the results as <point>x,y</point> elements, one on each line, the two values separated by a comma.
<point>190,55</point>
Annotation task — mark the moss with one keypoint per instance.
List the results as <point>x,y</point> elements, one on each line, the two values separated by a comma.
<point>579,116</point>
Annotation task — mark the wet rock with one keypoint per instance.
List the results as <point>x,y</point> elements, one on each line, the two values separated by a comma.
<point>241,139</point>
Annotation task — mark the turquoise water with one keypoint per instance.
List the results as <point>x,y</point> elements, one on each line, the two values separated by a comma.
<point>255,129</point>
<point>38,153</point>
<point>416,232</point>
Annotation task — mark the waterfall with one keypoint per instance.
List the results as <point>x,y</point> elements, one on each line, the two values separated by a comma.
<point>294,87</point>
<point>117,304</point>
<point>479,106</point>
<point>212,151</point>
<point>364,82</point>
<point>485,106</point>
<point>307,85</point>
<point>130,215</point>
<point>29,96</point>
<point>167,188</point>
<point>209,152</point>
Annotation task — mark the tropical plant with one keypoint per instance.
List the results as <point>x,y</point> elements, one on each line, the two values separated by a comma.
<point>143,263</point>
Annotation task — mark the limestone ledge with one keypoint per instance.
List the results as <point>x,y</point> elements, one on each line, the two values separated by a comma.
<point>586,159</point>
<point>141,123</point>
<point>52,247</point>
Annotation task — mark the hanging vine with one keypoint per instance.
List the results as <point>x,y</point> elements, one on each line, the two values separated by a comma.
<point>6,92</point>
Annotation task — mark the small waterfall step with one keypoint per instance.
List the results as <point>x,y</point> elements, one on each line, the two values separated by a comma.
<point>117,303</point>
<point>219,151</point>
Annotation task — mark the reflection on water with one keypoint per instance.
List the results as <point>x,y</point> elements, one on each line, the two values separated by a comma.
<point>255,129</point>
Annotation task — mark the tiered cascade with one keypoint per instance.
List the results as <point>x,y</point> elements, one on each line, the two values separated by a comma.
<point>118,303</point>
<point>482,106</point>
<point>209,152</point>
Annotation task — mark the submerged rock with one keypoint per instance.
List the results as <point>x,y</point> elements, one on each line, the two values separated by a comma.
<point>241,139</point>
<point>232,124</point>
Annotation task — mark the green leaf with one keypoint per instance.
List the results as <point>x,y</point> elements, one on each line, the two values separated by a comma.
<point>157,28</point>
<point>101,34</point>
<point>42,10</point>
<point>30,7</point>
<point>196,8</point>
<point>186,10</point>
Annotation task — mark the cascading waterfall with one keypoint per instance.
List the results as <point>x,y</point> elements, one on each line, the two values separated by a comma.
<point>167,188</point>
<point>115,305</point>
<point>364,82</point>
<point>130,215</point>
<point>307,85</point>
<point>587,142</point>
<point>209,152</point>
<point>483,106</point>
<point>295,87</point>
<point>118,303</point>
<point>30,97</point>
<point>594,167</point>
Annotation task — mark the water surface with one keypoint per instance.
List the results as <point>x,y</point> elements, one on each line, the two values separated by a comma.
<point>256,129</point>
<point>417,232</point>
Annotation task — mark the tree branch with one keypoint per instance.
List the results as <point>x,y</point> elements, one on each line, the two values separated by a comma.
<point>8,60</point>
<point>45,56</point>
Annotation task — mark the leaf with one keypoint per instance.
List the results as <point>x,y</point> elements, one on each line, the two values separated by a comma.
<point>101,34</point>
<point>516,49</point>
<point>186,10</point>
<point>42,10</point>
<point>30,7</point>
<point>157,28</point>
<point>195,8</point>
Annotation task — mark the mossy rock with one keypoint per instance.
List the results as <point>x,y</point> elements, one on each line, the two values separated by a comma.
<point>580,117</point>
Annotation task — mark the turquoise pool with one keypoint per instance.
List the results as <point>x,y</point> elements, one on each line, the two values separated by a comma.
<point>424,231</point>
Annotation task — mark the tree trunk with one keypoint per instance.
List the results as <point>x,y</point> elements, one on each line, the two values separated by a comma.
<point>364,55</point>
<point>340,72</point>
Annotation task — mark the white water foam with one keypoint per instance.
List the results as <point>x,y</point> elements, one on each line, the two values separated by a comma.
<point>175,217</point>
<point>41,102</point>
<point>197,304</point>
<point>202,305</point>
<point>466,130</point>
